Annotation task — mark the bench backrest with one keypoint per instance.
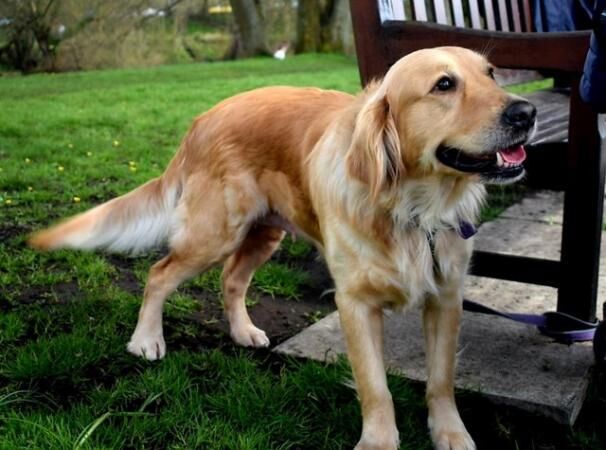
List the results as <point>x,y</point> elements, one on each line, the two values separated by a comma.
<point>493,15</point>
<point>386,30</point>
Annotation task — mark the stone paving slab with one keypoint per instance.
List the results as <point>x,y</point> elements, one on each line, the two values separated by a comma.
<point>507,362</point>
<point>520,237</point>
<point>533,228</point>
<point>538,206</point>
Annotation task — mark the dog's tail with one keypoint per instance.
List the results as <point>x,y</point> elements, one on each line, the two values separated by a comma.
<point>131,223</point>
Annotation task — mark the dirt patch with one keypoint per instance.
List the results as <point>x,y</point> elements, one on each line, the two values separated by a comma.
<point>10,231</point>
<point>57,293</point>
<point>125,275</point>
<point>280,318</point>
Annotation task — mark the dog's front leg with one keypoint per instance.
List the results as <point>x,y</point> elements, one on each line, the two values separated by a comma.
<point>441,319</point>
<point>362,326</point>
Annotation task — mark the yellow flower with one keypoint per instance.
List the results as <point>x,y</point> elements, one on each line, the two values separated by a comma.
<point>132,169</point>
<point>60,168</point>
<point>29,188</point>
<point>8,201</point>
<point>70,145</point>
<point>27,160</point>
<point>89,153</point>
<point>116,143</point>
<point>76,199</point>
<point>132,163</point>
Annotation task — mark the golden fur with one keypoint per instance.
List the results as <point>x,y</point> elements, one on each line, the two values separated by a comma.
<point>357,176</point>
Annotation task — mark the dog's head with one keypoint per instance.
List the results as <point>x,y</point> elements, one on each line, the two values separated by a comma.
<point>440,111</point>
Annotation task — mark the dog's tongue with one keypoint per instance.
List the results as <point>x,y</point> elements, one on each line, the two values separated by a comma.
<point>514,155</point>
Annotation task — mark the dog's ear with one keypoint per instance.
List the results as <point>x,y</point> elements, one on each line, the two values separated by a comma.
<point>375,154</point>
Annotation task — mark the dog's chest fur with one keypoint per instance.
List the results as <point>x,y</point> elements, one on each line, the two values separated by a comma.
<point>429,250</point>
<point>424,253</point>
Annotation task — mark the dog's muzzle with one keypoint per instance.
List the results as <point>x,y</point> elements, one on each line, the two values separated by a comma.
<point>502,163</point>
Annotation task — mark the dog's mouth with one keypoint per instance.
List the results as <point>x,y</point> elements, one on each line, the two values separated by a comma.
<point>494,165</point>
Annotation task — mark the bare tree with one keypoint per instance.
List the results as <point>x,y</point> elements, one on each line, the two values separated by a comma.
<point>249,37</point>
<point>35,31</point>
<point>29,41</point>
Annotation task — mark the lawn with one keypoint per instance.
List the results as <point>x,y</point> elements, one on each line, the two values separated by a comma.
<point>71,141</point>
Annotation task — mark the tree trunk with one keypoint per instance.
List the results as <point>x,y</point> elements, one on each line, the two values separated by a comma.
<point>324,26</point>
<point>249,38</point>
<point>341,32</point>
<point>308,26</point>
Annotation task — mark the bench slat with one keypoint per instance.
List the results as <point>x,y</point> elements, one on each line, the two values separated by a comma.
<point>547,124</point>
<point>552,116</point>
<point>515,15</point>
<point>420,11</point>
<point>459,17</point>
<point>527,17</point>
<point>391,10</point>
<point>503,15</point>
<point>474,12</point>
<point>545,108</point>
<point>544,112</point>
<point>560,136</point>
<point>440,10</point>
<point>490,22</point>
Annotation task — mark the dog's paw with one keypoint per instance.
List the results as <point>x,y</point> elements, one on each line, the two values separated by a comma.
<point>148,346</point>
<point>452,438</point>
<point>249,336</point>
<point>447,429</point>
<point>386,439</point>
<point>371,444</point>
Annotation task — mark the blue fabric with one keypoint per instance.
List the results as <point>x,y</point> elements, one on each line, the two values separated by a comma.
<point>562,15</point>
<point>593,82</point>
<point>553,15</point>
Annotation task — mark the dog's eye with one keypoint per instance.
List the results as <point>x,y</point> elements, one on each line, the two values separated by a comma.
<point>445,84</point>
<point>491,72</point>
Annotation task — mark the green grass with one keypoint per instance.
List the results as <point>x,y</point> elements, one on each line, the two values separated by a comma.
<point>68,142</point>
<point>280,280</point>
<point>296,248</point>
<point>531,86</point>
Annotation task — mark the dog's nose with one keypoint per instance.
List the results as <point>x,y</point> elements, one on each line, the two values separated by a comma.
<point>520,114</point>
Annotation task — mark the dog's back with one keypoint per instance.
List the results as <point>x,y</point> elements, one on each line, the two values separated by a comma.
<point>265,131</point>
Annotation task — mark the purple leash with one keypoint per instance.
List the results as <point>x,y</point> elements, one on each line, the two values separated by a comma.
<point>560,326</point>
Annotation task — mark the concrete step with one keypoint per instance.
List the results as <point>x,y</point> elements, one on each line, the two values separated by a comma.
<point>507,362</point>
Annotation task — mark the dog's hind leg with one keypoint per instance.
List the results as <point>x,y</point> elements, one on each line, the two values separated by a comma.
<point>211,227</point>
<point>258,246</point>
<point>164,277</point>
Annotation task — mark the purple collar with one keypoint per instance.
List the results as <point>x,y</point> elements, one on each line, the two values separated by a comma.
<point>466,229</point>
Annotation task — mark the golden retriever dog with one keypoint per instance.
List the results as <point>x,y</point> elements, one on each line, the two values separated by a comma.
<point>383,183</point>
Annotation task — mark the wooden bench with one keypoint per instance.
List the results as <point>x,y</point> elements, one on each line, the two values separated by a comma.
<point>386,30</point>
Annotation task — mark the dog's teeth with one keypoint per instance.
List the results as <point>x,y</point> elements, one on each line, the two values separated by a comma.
<point>499,160</point>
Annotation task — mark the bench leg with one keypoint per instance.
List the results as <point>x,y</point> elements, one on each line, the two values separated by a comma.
<point>583,208</point>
